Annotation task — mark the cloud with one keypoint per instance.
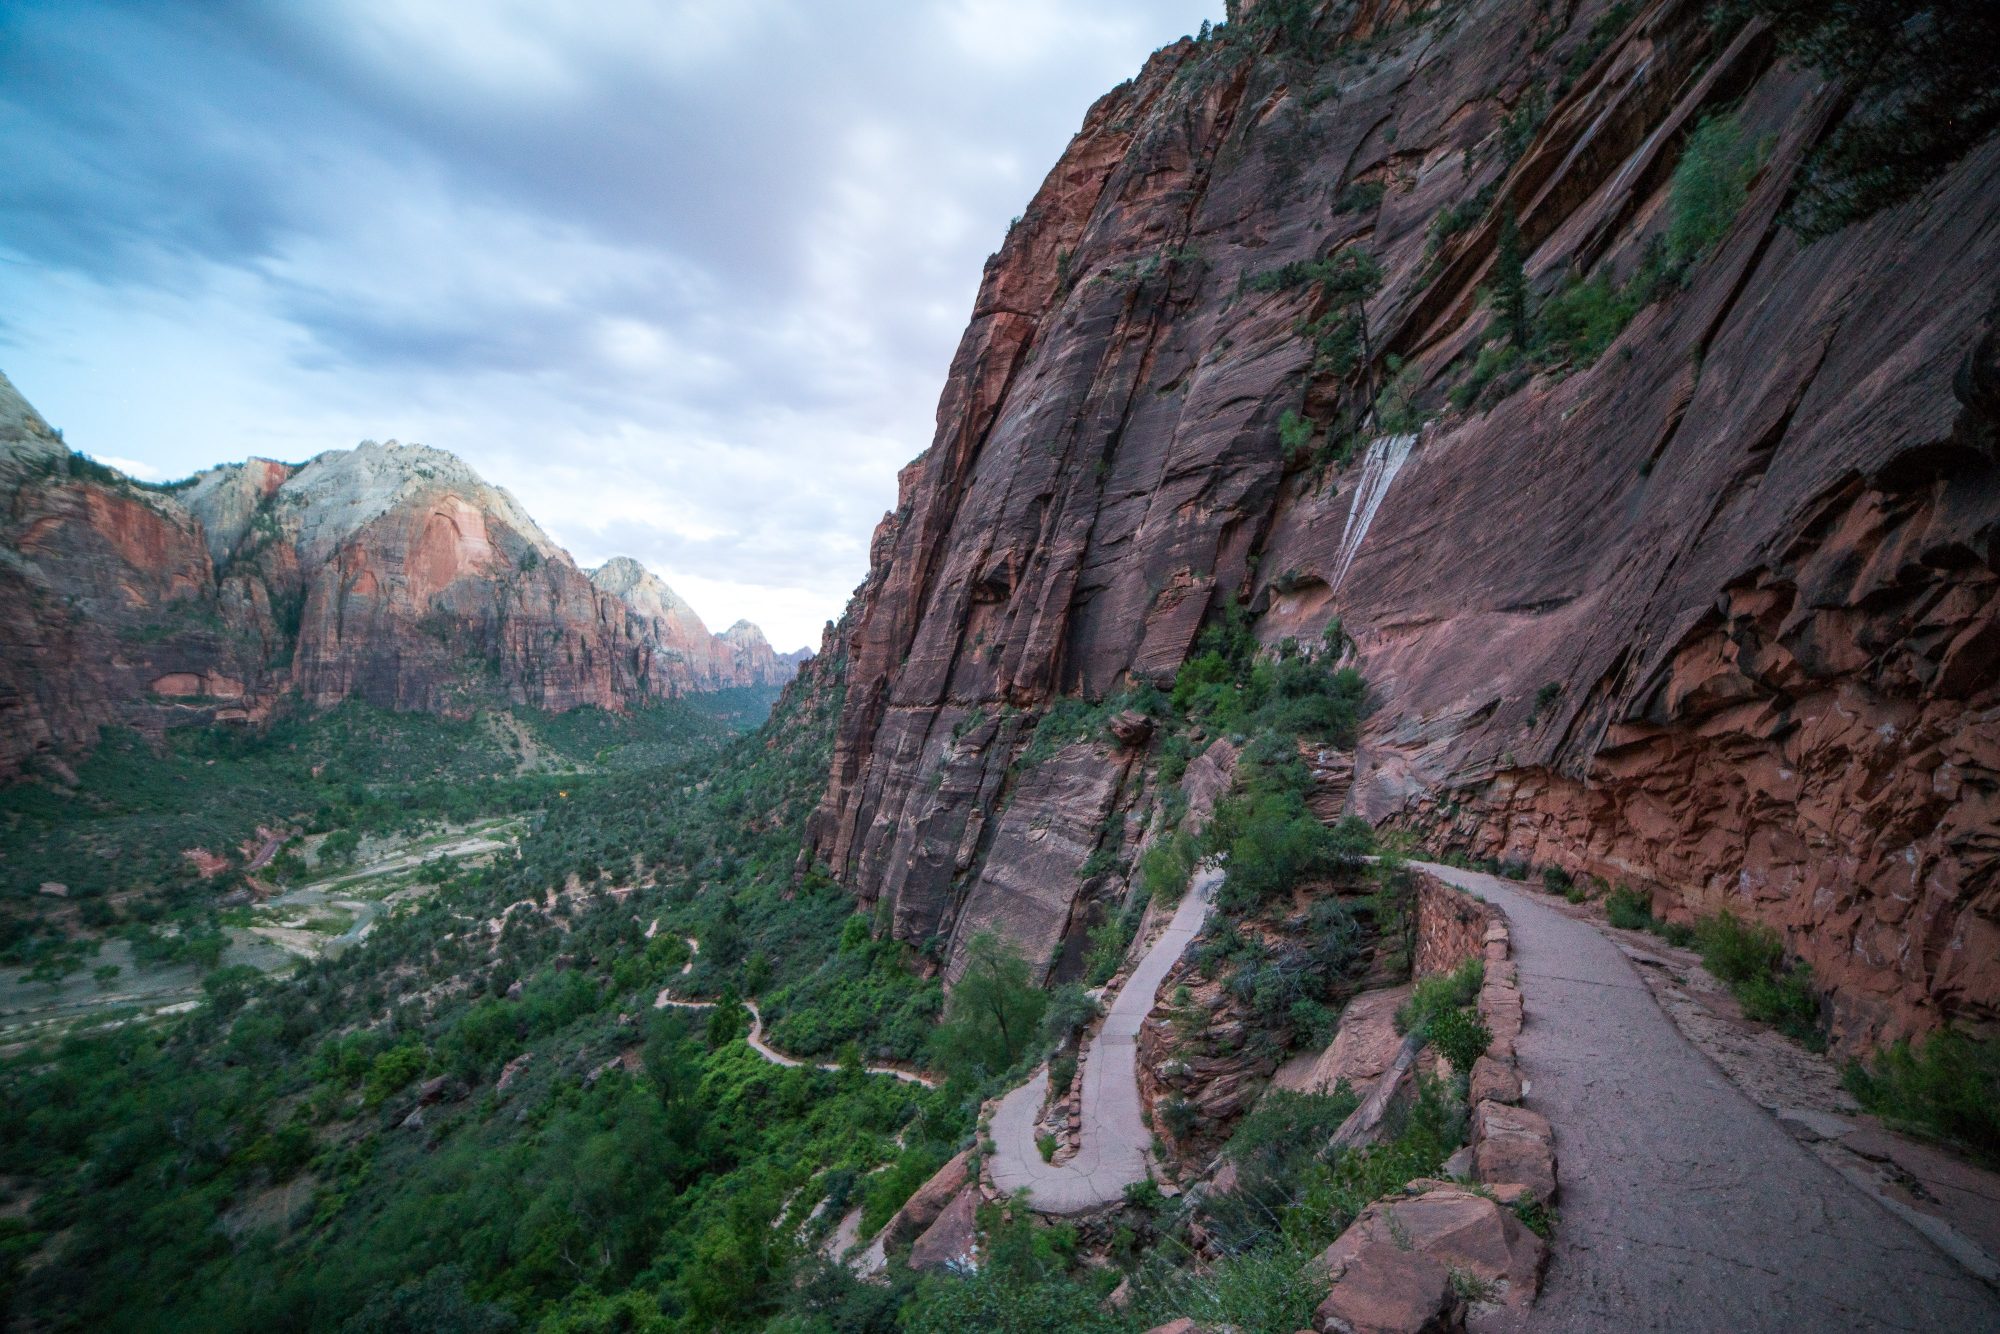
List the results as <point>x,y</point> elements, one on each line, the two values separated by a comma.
<point>145,472</point>
<point>684,277</point>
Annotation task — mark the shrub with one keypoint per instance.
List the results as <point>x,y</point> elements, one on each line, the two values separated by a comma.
<point>1751,960</point>
<point>1629,910</point>
<point>1710,184</point>
<point>1459,1036</point>
<point>1070,1010</point>
<point>1948,1088</point>
<point>391,1072</point>
<point>1441,992</point>
<point>1737,951</point>
<point>1164,871</point>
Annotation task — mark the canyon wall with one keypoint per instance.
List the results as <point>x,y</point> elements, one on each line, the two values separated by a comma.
<point>387,573</point>
<point>1711,614</point>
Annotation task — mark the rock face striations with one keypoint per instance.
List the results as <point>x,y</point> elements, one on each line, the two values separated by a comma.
<point>388,573</point>
<point>1708,610</point>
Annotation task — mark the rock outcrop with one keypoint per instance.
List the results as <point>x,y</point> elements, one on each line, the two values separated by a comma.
<point>1713,614</point>
<point>388,573</point>
<point>678,655</point>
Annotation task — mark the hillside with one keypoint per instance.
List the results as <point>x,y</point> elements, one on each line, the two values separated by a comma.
<point>1420,752</point>
<point>388,574</point>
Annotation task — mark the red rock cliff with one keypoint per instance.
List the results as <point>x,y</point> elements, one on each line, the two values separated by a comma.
<point>1713,615</point>
<point>388,573</point>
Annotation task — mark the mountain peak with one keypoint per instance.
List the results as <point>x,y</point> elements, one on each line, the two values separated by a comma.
<point>643,591</point>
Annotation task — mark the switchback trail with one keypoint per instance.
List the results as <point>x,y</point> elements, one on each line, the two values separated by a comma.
<point>1112,1142</point>
<point>757,1044</point>
<point>1685,1206</point>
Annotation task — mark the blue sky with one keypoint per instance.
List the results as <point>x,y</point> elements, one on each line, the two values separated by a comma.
<point>684,277</point>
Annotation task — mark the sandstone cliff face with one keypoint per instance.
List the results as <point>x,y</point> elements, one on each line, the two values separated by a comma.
<point>389,573</point>
<point>109,605</point>
<point>678,654</point>
<point>1713,615</point>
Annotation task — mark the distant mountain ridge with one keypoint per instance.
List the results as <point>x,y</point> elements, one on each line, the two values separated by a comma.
<point>390,573</point>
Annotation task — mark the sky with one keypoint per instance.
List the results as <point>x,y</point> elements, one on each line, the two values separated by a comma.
<point>684,277</point>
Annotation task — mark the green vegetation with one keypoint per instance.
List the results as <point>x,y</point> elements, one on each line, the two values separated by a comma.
<point>1748,958</point>
<point>334,1151</point>
<point>1110,938</point>
<point>995,1014</point>
<point>1947,1088</point>
<point>120,841</point>
<point>1343,283</point>
<point>1584,315</point>
<point>1629,910</point>
<point>1751,960</point>
<point>1269,841</point>
<point>1266,836</point>
<point>1510,283</point>
<point>1602,33</point>
<point>1921,72</point>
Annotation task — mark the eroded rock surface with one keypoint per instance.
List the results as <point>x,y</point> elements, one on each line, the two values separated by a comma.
<point>1714,615</point>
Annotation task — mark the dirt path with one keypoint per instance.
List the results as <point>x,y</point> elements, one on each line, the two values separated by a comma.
<point>1684,1205</point>
<point>1113,1139</point>
<point>757,1044</point>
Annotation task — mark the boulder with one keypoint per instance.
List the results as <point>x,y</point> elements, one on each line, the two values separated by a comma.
<point>1455,1228</point>
<point>952,1240</point>
<point>1386,1290</point>
<point>922,1209</point>
<point>1495,1081</point>
<point>1131,727</point>
<point>1514,1145</point>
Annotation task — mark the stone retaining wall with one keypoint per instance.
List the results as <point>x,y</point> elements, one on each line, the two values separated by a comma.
<point>1399,1265</point>
<point>1451,926</point>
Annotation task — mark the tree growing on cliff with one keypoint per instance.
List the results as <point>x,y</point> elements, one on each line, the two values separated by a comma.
<point>1510,282</point>
<point>994,1015</point>
<point>1921,73</point>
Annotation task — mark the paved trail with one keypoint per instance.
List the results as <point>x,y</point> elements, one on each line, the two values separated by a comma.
<point>1684,1205</point>
<point>1111,1152</point>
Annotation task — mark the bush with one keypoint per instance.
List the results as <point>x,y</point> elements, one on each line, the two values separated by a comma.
<point>1710,183</point>
<point>1948,1088</point>
<point>1443,991</point>
<point>1751,960</point>
<point>1460,1036</point>
<point>1629,910</point>
<point>1736,951</point>
<point>391,1072</point>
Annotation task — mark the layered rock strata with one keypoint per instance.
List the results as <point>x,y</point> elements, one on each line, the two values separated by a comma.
<point>388,573</point>
<point>1712,614</point>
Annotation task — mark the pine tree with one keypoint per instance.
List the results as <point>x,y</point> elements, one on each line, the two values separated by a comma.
<point>1510,282</point>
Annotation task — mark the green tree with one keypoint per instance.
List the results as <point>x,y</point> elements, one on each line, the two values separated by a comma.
<point>994,1015</point>
<point>1922,76</point>
<point>1510,282</point>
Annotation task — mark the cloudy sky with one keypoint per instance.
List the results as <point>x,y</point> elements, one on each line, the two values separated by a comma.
<point>685,277</point>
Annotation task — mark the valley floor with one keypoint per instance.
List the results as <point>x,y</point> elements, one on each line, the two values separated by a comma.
<point>324,916</point>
